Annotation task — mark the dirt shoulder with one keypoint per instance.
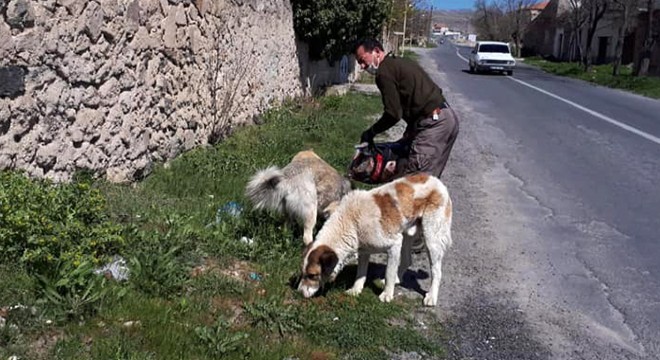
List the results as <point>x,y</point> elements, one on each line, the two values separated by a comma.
<point>476,310</point>
<point>500,297</point>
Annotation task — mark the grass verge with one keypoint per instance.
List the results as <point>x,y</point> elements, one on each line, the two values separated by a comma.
<point>365,78</point>
<point>602,75</point>
<point>410,54</point>
<point>196,291</point>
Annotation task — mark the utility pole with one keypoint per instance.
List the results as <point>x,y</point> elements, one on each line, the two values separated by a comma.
<point>405,15</point>
<point>430,27</point>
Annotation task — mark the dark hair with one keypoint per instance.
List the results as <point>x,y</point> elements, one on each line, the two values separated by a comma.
<point>368,44</point>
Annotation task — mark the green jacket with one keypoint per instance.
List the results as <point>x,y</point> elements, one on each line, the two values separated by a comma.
<point>407,90</point>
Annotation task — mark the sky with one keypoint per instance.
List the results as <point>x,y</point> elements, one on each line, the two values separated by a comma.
<point>452,4</point>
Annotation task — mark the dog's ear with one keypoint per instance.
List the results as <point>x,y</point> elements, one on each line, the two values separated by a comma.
<point>321,261</point>
<point>328,260</point>
<point>273,181</point>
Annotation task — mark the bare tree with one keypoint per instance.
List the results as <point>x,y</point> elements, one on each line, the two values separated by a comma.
<point>650,39</point>
<point>627,12</point>
<point>402,13</point>
<point>517,18</point>
<point>577,19</point>
<point>595,11</point>
<point>487,20</point>
<point>227,72</point>
<point>504,20</point>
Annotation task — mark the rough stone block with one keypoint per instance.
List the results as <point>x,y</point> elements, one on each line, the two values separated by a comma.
<point>93,18</point>
<point>74,7</point>
<point>20,14</point>
<point>202,6</point>
<point>12,81</point>
<point>133,13</point>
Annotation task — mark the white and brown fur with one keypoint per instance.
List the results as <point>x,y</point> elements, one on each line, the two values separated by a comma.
<point>376,221</point>
<point>303,188</point>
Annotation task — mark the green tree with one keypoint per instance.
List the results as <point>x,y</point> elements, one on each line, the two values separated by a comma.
<point>331,27</point>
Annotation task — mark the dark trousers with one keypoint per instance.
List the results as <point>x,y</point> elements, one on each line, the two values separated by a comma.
<point>431,142</point>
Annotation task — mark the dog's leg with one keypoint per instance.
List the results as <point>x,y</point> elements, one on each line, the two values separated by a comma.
<point>393,260</point>
<point>301,204</point>
<point>361,277</point>
<point>308,225</point>
<point>437,238</point>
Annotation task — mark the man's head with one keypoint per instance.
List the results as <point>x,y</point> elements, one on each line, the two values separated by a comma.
<point>369,54</point>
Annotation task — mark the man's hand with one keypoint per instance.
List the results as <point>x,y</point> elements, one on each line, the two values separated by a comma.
<point>367,136</point>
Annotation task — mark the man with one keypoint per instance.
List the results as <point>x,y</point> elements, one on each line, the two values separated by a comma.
<point>408,93</point>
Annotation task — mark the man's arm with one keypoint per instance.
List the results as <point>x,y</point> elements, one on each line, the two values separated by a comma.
<point>392,108</point>
<point>385,122</point>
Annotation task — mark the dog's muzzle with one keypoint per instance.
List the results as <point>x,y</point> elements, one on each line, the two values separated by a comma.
<point>307,290</point>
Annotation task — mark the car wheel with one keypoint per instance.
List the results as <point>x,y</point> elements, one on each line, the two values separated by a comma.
<point>510,72</point>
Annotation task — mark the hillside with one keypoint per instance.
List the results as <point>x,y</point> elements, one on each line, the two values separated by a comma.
<point>454,19</point>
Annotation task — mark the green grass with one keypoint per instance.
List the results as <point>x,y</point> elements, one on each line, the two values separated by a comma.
<point>602,75</point>
<point>365,78</point>
<point>410,54</point>
<point>196,292</point>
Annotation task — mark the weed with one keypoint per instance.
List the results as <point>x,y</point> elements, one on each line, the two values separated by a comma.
<point>42,224</point>
<point>215,284</point>
<point>271,315</point>
<point>219,340</point>
<point>75,292</point>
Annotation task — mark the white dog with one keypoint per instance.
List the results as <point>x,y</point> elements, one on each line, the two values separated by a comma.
<point>304,189</point>
<point>375,221</point>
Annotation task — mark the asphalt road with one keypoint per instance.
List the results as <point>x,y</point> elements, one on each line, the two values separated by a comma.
<point>556,190</point>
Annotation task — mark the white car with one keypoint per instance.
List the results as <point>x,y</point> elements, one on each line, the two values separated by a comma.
<point>492,56</point>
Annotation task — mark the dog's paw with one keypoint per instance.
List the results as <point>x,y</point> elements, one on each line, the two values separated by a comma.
<point>353,292</point>
<point>386,297</point>
<point>430,300</point>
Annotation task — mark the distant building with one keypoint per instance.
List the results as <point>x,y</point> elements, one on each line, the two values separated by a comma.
<point>640,34</point>
<point>440,29</point>
<point>536,9</point>
<point>551,35</point>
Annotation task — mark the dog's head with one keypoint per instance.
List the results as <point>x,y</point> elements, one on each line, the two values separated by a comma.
<point>318,265</point>
<point>361,167</point>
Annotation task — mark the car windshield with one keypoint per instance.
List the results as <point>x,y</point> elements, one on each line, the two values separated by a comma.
<point>493,48</point>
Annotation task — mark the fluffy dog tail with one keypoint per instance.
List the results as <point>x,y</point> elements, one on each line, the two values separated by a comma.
<point>263,190</point>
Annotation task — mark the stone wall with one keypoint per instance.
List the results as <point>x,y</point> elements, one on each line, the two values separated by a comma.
<point>114,86</point>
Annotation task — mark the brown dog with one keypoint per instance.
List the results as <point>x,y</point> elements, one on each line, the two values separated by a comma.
<point>367,222</point>
<point>301,189</point>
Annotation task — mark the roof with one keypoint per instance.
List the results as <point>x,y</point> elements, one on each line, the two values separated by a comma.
<point>539,6</point>
<point>492,42</point>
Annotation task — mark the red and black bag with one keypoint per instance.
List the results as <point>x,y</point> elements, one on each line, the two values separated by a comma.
<point>378,163</point>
